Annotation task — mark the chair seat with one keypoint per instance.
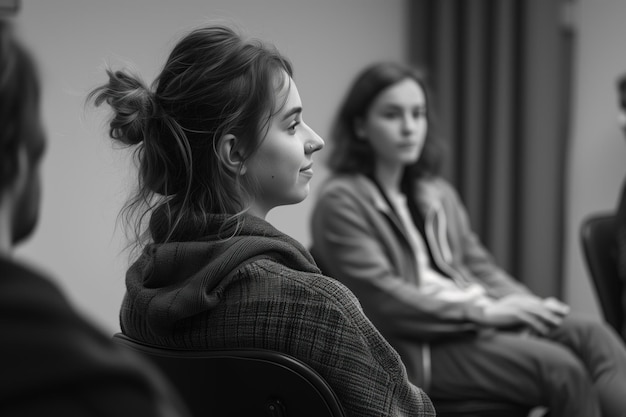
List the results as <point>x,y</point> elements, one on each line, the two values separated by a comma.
<point>484,408</point>
<point>479,408</point>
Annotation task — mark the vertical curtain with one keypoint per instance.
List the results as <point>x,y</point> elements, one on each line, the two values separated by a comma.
<point>499,73</point>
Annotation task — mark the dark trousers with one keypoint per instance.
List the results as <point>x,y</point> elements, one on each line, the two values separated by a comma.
<point>579,369</point>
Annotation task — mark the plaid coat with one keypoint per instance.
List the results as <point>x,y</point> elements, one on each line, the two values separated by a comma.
<point>262,289</point>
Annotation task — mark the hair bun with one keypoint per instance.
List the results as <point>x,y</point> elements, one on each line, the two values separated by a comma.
<point>133,106</point>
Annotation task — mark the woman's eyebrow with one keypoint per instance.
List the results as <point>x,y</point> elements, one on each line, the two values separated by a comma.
<point>291,112</point>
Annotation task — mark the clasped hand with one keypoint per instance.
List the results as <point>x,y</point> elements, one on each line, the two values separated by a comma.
<point>538,314</point>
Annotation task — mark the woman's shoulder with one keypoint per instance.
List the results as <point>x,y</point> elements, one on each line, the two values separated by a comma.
<point>275,280</point>
<point>435,188</point>
<point>435,181</point>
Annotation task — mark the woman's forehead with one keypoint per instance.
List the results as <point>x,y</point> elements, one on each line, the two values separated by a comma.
<point>287,96</point>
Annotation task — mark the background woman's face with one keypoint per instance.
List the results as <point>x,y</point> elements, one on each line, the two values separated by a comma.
<point>396,123</point>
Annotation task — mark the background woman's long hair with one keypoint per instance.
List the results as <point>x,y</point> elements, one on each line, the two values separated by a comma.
<point>351,154</point>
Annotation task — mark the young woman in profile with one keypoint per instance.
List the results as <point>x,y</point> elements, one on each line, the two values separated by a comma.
<point>220,141</point>
<point>388,226</point>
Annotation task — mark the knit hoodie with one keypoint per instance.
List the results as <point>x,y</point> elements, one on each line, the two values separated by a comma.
<point>177,280</point>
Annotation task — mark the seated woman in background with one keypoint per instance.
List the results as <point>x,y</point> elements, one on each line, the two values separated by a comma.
<point>395,232</point>
<point>220,141</point>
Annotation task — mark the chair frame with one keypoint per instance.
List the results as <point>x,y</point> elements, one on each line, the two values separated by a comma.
<point>599,245</point>
<point>241,382</point>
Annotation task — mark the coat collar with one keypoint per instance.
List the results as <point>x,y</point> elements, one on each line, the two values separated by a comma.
<point>428,194</point>
<point>378,200</point>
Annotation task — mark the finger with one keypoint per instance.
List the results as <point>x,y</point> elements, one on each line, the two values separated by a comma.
<point>556,306</point>
<point>548,317</point>
<point>534,322</point>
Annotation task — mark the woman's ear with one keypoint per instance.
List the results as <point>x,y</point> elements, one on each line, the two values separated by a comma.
<point>15,166</point>
<point>230,155</point>
<point>359,128</point>
<point>19,170</point>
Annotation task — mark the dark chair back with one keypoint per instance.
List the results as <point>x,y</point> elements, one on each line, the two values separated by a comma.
<point>241,382</point>
<point>599,244</point>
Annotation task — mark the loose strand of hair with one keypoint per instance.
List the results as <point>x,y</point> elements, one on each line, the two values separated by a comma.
<point>185,151</point>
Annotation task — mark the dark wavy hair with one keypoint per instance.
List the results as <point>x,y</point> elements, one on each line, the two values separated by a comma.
<point>214,83</point>
<point>19,88</point>
<point>350,154</point>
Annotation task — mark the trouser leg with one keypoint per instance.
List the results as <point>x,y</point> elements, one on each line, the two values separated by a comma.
<point>515,368</point>
<point>604,356</point>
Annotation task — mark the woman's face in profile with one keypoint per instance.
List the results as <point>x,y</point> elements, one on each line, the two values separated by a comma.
<point>396,123</point>
<point>282,166</point>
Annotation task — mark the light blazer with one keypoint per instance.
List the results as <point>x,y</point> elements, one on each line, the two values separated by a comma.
<point>358,239</point>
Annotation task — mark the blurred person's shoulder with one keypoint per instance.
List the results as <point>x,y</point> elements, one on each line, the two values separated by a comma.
<point>55,362</point>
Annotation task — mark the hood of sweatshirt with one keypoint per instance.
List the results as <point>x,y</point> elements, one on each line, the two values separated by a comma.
<point>175,280</point>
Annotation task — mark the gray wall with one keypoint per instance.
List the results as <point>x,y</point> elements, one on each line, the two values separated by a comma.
<point>86,180</point>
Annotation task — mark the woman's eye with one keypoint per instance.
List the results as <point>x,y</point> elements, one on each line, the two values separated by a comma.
<point>292,126</point>
<point>419,113</point>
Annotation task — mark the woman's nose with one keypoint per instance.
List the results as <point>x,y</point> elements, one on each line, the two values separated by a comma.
<point>409,123</point>
<point>314,142</point>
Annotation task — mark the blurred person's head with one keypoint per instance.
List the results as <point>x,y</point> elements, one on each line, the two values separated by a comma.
<point>219,132</point>
<point>385,118</point>
<point>22,139</point>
